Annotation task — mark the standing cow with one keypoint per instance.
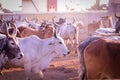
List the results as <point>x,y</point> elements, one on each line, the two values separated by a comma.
<point>100,58</point>
<point>39,52</point>
<point>68,31</point>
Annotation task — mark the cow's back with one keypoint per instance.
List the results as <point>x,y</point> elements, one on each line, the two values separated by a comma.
<point>102,59</point>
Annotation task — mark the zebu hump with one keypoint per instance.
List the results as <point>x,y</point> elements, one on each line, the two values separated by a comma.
<point>85,43</point>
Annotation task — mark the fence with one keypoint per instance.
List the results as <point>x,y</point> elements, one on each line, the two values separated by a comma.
<point>85,17</point>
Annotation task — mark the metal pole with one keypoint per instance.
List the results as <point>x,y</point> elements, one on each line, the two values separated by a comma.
<point>35,6</point>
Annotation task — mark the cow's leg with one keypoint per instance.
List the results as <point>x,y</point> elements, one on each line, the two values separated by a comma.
<point>82,70</point>
<point>1,68</point>
<point>1,72</point>
<point>38,72</point>
<point>27,68</point>
<point>72,46</point>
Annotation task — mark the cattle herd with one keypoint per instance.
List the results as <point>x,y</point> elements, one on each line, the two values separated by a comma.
<point>33,45</point>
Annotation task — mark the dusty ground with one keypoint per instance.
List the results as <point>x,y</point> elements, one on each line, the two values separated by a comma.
<point>59,69</point>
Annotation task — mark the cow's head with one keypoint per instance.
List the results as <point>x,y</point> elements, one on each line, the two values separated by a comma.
<point>58,46</point>
<point>9,48</point>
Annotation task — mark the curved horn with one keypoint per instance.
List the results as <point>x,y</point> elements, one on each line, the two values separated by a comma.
<point>116,16</point>
<point>26,19</point>
<point>73,20</point>
<point>55,33</point>
<point>13,29</point>
<point>54,21</point>
<point>19,18</point>
<point>35,19</point>
<point>13,19</point>
<point>6,29</point>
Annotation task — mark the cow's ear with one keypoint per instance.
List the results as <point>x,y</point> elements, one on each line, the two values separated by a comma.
<point>51,43</point>
<point>55,33</point>
<point>2,44</point>
<point>1,23</point>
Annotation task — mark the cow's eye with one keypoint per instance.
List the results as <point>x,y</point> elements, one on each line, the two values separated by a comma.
<point>60,42</point>
<point>13,43</point>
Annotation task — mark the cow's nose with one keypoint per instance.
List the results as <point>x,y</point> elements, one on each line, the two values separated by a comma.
<point>68,52</point>
<point>21,55</point>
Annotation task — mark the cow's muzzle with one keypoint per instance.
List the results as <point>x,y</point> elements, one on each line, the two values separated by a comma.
<point>20,56</point>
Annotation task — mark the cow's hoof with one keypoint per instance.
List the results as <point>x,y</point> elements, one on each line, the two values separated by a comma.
<point>41,74</point>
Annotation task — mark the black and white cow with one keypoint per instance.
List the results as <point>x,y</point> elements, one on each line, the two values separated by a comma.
<point>9,48</point>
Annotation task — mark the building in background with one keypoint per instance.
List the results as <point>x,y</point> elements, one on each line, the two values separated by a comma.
<point>47,6</point>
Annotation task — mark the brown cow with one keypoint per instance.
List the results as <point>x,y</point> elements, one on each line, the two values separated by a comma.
<point>105,21</point>
<point>99,58</point>
<point>45,31</point>
<point>93,26</point>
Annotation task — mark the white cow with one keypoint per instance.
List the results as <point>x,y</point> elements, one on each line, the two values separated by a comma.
<point>68,31</point>
<point>39,52</point>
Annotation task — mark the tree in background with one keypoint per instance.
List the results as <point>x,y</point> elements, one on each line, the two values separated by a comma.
<point>98,6</point>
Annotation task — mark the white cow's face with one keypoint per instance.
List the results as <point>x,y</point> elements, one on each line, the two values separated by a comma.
<point>59,46</point>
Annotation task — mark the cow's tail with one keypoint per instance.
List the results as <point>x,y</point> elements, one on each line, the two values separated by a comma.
<point>81,48</point>
<point>82,70</point>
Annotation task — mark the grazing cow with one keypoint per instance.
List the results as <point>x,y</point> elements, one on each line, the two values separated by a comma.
<point>46,31</point>
<point>100,58</point>
<point>67,31</point>
<point>39,52</point>
<point>9,48</point>
<point>117,25</point>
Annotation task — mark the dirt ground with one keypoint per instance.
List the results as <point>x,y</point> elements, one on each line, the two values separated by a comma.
<point>61,68</point>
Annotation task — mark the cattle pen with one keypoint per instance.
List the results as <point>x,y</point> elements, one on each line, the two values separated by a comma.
<point>86,17</point>
<point>61,68</point>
